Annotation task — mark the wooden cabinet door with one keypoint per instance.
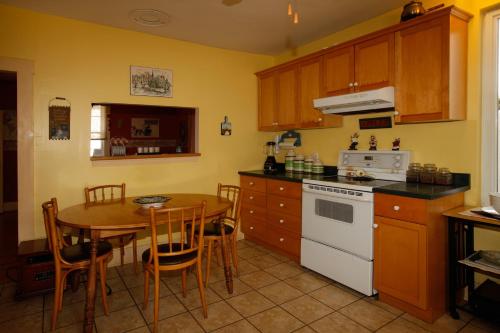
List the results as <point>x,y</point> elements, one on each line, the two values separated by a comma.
<point>267,101</point>
<point>309,89</point>
<point>338,75</point>
<point>287,97</point>
<point>401,260</point>
<point>422,72</point>
<point>374,63</point>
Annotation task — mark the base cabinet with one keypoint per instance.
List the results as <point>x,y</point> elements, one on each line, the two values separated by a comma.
<point>271,214</point>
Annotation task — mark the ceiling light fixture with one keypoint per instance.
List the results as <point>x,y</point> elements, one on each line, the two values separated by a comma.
<point>149,17</point>
<point>293,14</point>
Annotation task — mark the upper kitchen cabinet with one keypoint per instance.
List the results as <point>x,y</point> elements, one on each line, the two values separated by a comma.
<point>362,66</point>
<point>431,69</point>
<point>267,101</point>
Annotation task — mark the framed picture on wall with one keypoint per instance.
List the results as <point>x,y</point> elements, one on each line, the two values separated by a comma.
<point>146,81</point>
<point>145,128</point>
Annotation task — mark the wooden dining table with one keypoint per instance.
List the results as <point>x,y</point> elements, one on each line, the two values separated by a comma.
<point>116,217</point>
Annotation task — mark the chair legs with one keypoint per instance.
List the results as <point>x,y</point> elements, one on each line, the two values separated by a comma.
<point>102,276</point>
<point>184,282</point>
<point>57,299</point>
<point>201,288</point>
<point>146,289</point>
<point>234,254</point>
<point>122,251</point>
<point>209,259</point>
<point>157,300</point>
<point>134,249</point>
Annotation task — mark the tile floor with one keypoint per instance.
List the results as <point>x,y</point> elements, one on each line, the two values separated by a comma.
<point>272,294</point>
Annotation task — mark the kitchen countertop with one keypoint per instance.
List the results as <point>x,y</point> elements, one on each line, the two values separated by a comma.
<point>461,183</point>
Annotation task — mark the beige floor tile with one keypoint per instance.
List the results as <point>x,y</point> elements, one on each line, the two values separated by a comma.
<point>333,296</point>
<point>250,252</point>
<point>246,243</point>
<point>216,273</point>
<point>258,279</point>
<point>250,303</point>
<point>16,309</point>
<point>7,293</point>
<point>384,306</point>
<point>112,273</point>
<point>244,267</point>
<point>343,287</point>
<point>474,329</point>
<point>305,329</point>
<point>70,314</point>
<point>143,329</point>
<point>115,284</point>
<point>193,300</point>
<point>281,257</point>
<point>128,269</point>
<point>75,328</point>
<point>133,280</point>
<point>275,320</point>
<point>25,324</point>
<point>307,309</point>
<point>264,261</point>
<point>280,292</point>
<point>485,324</point>
<point>285,270</point>
<point>239,288</point>
<point>116,301</point>
<point>241,244</point>
<point>368,315</point>
<point>219,314</point>
<point>445,324</point>
<point>183,323</point>
<point>337,323</point>
<point>138,292</point>
<point>241,326</point>
<point>120,321</point>
<point>306,282</point>
<point>69,297</point>
<point>174,283</point>
<point>401,325</point>
<point>169,306</point>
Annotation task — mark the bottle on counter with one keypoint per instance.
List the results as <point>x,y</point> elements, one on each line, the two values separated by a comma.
<point>298,164</point>
<point>289,158</point>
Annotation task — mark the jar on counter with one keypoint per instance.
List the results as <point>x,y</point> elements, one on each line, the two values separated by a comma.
<point>290,156</point>
<point>298,164</point>
<point>413,173</point>
<point>428,175</point>
<point>444,177</point>
<point>318,168</point>
<point>308,165</point>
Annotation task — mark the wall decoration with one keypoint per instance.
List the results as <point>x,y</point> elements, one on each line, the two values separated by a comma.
<point>225,127</point>
<point>145,128</point>
<point>146,81</point>
<point>396,143</point>
<point>373,142</point>
<point>371,123</point>
<point>354,141</point>
<point>59,118</point>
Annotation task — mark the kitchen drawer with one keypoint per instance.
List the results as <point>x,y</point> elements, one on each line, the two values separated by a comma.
<point>253,212</point>
<point>284,188</point>
<point>253,183</point>
<point>254,198</point>
<point>283,239</point>
<point>253,228</point>
<point>401,208</point>
<point>289,222</point>
<point>284,205</point>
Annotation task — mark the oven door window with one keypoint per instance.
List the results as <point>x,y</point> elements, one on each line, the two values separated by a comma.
<point>334,210</point>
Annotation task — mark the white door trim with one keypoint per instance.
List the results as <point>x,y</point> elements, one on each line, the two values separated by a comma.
<point>25,144</point>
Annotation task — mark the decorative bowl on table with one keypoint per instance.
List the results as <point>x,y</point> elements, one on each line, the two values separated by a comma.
<point>155,201</point>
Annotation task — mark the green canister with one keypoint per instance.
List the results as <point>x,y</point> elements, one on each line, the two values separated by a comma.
<point>308,164</point>
<point>298,164</point>
<point>289,158</point>
<point>318,168</point>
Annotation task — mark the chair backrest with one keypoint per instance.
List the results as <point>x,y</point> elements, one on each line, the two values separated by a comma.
<point>234,194</point>
<point>101,193</point>
<point>54,234</point>
<point>181,222</point>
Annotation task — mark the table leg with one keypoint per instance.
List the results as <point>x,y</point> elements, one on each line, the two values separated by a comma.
<point>88,323</point>
<point>227,264</point>
<point>452,261</point>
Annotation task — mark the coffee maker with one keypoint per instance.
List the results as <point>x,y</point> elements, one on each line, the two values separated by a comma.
<point>270,165</point>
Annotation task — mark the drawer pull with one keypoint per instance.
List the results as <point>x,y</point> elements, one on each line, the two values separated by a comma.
<point>251,228</point>
<point>251,212</point>
<point>282,204</point>
<point>282,221</point>
<point>282,188</point>
<point>396,208</point>
<point>251,197</point>
<point>282,239</point>
<point>251,183</point>
<point>375,226</point>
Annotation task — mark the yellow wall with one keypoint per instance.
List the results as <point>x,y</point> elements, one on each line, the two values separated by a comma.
<point>456,145</point>
<point>88,63</point>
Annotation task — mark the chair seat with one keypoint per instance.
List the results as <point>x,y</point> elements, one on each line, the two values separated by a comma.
<point>170,260</point>
<point>81,252</point>
<point>213,229</point>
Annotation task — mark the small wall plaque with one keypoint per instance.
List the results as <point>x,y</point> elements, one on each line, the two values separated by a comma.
<point>59,118</point>
<point>371,123</point>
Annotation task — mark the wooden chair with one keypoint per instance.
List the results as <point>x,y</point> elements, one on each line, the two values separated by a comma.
<point>98,194</point>
<point>177,254</point>
<point>69,258</point>
<point>213,232</point>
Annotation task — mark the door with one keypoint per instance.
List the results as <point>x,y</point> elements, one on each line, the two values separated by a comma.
<point>287,97</point>
<point>401,260</point>
<point>374,63</point>
<point>345,224</point>
<point>309,89</point>
<point>339,71</point>
<point>421,72</point>
<point>267,101</point>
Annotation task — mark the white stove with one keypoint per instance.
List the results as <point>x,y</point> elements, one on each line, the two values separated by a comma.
<point>337,216</point>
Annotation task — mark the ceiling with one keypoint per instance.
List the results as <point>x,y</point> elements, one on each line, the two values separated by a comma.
<point>257,26</point>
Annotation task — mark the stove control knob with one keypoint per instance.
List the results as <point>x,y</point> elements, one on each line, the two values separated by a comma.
<point>396,208</point>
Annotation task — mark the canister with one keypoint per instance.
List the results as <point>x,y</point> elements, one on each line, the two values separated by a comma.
<point>298,164</point>
<point>308,164</point>
<point>317,168</point>
<point>289,158</point>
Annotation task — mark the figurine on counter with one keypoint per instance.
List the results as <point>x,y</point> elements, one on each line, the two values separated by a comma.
<point>373,142</point>
<point>395,144</point>
<point>354,141</point>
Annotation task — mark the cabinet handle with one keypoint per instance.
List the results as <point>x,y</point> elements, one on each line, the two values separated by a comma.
<point>351,84</point>
<point>251,212</point>
<point>282,221</point>
<point>251,197</point>
<point>282,204</point>
<point>282,188</point>
<point>355,84</point>
<point>375,226</point>
<point>282,239</point>
<point>396,113</point>
<point>251,183</point>
<point>251,228</point>
<point>275,124</point>
<point>320,120</point>
<point>396,208</point>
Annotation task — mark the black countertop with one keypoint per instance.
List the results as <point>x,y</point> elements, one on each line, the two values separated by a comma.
<point>461,183</point>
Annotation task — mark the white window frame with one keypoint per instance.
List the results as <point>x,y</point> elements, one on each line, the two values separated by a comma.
<point>489,150</point>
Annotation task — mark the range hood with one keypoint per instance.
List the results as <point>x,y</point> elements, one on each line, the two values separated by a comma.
<point>362,102</point>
